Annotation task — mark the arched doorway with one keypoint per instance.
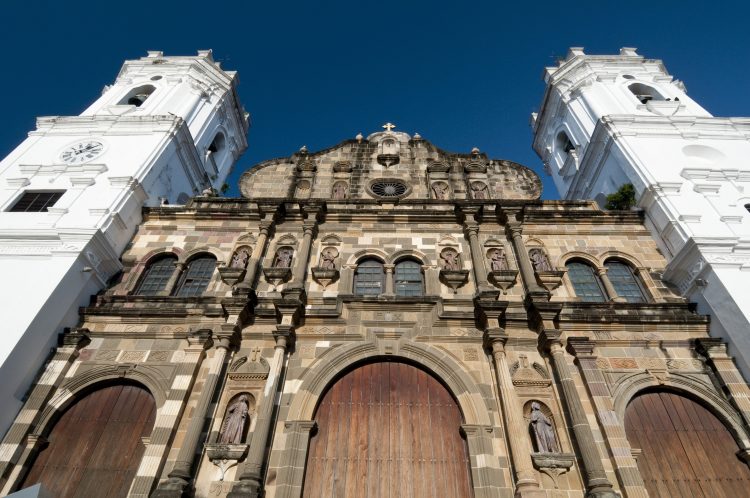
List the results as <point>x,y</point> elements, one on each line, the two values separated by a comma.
<point>387,429</point>
<point>96,446</point>
<point>684,449</point>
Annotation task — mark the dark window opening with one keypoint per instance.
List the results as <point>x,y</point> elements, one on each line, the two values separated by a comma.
<point>408,278</point>
<point>195,278</point>
<point>369,278</point>
<point>36,202</point>
<point>138,96</point>
<point>156,276</point>
<point>625,282</point>
<point>585,282</point>
<point>645,93</point>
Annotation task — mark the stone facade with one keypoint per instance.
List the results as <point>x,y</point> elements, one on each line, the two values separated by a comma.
<point>498,333</point>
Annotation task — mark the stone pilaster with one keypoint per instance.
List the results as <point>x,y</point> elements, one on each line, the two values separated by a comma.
<point>13,452</point>
<point>488,481</point>
<point>595,477</point>
<point>292,467</point>
<point>389,287</point>
<point>250,483</point>
<point>259,251</point>
<point>180,475</point>
<point>516,429</point>
<point>626,466</point>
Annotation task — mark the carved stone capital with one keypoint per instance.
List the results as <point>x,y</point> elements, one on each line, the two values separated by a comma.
<point>77,338</point>
<point>711,347</point>
<point>494,339</point>
<point>550,339</point>
<point>581,347</point>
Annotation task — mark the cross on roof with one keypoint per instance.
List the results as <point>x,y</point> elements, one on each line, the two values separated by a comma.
<point>389,126</point>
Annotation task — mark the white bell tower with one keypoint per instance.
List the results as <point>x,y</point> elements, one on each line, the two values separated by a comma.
<point>608,120</point>
<point>71,194</point>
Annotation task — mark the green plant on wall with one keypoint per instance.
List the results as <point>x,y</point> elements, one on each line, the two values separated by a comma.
<point>623,199</point>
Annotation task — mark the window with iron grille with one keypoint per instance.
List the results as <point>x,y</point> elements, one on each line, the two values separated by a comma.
<point>36,202</point>
<point>625,282</point>
<point>195,278</point>
<point>408,278</point>
<point>369,278</point>
<point>156,276</point>
<point>585,282</point>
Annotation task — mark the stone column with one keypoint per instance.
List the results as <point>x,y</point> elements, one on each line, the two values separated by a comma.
<point>389,287</point>
<point>593,472</point>
<point>180,475</point>
<point>517,430</point>
<point>471,230</point>
<point>250,483</point>
<point>514,230</point>
<point>614,430</point>
<point>248,282</point>
<point>13,452</point>
<point>169,287</point>
<point>608,287</point>
<point>303,256</point>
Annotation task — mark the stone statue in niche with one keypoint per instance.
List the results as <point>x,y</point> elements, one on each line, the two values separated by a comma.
<point>539,260</point>
<point>239,260</point>
<point>478,190</point>
<point>283,258</point>
<point>544,432</point>
<point>340,190</point>
<point>328,258</point>
<point>450,259</point>
<point>234,421</point>
<point>440,190</point>
<point>497,260</point>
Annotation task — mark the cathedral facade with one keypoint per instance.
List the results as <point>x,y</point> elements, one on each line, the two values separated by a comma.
<point>383,318</point>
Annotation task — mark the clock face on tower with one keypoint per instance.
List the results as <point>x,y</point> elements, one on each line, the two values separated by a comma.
<point>82,152</point>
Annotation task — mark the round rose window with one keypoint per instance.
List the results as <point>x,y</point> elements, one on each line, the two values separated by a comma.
<point>388,188</point>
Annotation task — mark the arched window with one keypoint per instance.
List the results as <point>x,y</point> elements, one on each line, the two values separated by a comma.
<point>369,278</point>
<point>563,143</point>
<point>585,282</point>
<point>408,278</point>
<point>156,276</point>
<point>747,206</point>
<point>137,96</point>
<point>195,277</point>
<point>644,93</point>
<point>624,281</point>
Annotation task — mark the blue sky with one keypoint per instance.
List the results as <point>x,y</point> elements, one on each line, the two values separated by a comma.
<point>317,73</point>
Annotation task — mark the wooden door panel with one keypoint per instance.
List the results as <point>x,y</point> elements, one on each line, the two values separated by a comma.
<point>387,430</point>
<point>686,451</point>
<point>95,447</point>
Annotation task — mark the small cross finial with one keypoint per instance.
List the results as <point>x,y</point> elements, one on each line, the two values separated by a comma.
<point>389,126</point>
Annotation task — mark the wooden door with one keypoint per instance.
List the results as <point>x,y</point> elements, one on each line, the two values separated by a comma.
<point>387,430</point>
<point>95,448</point>
<point>686,450</point>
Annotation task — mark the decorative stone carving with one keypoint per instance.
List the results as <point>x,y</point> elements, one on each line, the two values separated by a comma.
<point>543,430</point>
<point>539,260</point>
<point>440,191</point>
<point>553,464</point>
<point>249,367</point>
<point>450,259</point>
<point>235,421</point>
<point>454,278</point>
<point>342,167</point>
<point>283,258</point>
<point>550,280</point>
<point>240,258</point>
<point>231,275</point>
<point>479,190</point>
<point>504,279</point>
<point>225,456</point>
<point>498,261</point>
<point>340,190</point>
<point>328,258</point>
<point>326,272</point>
<point>276,276</point>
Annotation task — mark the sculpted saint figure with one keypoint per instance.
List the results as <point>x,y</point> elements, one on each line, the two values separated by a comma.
<point>450,259</point>
<point>498,261</point>
<point>283,259</point>
<point>440,190</point>
<point>539,260</point>
<point>239,260</point>
<point>546,442</point>
<point>234,422</point>
<point>478,190</point>
<point>339,191</point>
<point>327,258</point>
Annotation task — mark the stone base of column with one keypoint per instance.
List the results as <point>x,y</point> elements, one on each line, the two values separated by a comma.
<point>245,489</point>
<point>175,487</point>
<point>606,492</point>
<point>530,493</point>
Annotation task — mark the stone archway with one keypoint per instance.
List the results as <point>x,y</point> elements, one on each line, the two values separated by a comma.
<point>96,445</point>
<point>387,428</point>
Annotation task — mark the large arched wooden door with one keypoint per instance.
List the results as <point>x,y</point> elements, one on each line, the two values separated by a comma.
<point>96,446</point>
<point>387,430</point>
<point>685,450</point>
